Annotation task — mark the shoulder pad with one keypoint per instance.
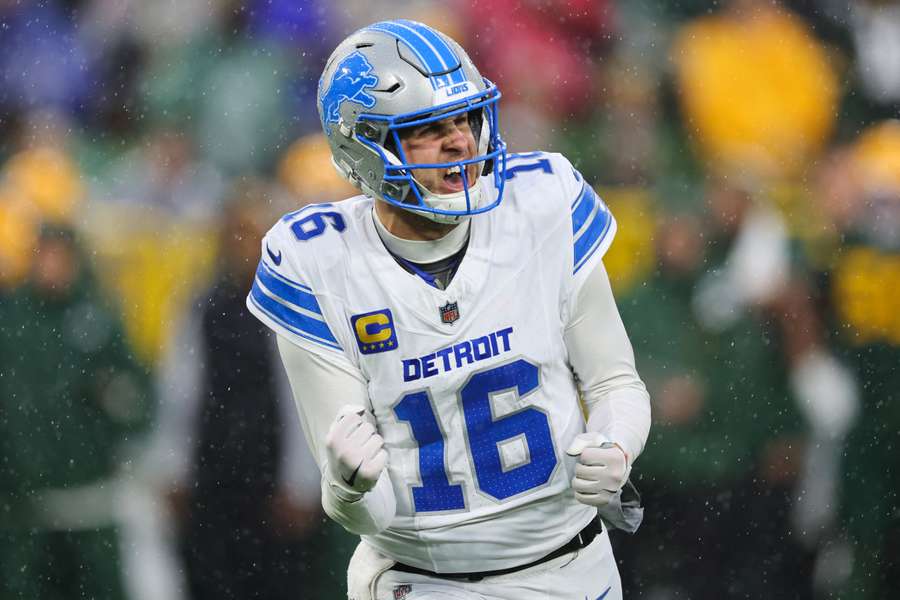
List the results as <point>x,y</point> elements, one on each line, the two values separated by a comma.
<point>556,186</point>
<point>286,292</point>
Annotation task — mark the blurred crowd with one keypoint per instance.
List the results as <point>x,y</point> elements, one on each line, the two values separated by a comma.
<point>750,150</point>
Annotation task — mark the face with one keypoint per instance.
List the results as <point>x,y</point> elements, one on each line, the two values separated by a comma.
<point>448,140</point>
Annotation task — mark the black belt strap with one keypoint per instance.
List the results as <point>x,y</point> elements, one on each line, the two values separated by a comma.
<point>581,539</point>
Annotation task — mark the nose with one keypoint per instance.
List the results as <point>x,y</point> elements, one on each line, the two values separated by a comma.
<point>455,138</point>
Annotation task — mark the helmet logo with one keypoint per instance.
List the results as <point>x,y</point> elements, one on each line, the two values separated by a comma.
<point>350,81</point>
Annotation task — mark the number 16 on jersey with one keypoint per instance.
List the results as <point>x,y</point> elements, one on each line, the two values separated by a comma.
<point>483,435</point>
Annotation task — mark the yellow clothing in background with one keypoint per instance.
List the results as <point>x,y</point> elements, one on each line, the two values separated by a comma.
<point>50,179</point>
<point>877,156</point>
<point>758,92</point>
<point>154,267</point>
<point>631,260</point>
<point>306,171</point>
<point>18,237</point>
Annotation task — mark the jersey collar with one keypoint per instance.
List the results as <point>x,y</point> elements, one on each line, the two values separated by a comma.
<point>423,251</point>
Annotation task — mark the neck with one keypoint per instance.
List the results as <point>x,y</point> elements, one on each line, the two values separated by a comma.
<point>428,244</point>
<point>408,225</point>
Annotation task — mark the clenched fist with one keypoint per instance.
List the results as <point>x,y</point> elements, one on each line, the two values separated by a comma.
<point>601,471</point>
<point>356,454</point>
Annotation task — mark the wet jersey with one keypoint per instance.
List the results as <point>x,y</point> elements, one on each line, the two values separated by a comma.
<point>470,385</point>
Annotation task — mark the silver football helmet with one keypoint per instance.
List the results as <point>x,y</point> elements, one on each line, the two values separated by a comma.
<point>395,75</point>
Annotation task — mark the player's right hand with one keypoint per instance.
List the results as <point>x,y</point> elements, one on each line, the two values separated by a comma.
<point>601,471</point>
<point>356,454</point>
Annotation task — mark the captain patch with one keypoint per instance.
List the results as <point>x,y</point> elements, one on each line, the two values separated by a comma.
<point>374,331</point>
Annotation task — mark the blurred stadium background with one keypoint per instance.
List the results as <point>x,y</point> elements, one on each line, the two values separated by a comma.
<point>750,151</point>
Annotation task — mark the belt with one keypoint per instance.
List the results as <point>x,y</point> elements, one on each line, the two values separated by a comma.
<point>581,539</point>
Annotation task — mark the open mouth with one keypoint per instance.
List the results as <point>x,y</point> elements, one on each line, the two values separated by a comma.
<point>453,180</point>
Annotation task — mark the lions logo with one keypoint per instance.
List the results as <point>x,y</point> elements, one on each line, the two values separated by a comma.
<point>349,82</point>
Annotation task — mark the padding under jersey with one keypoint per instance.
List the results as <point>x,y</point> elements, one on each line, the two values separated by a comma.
<point>470,385</point>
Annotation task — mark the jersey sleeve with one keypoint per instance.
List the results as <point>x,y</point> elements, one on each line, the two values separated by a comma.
<point>592,226</point>
<point>284,299</point>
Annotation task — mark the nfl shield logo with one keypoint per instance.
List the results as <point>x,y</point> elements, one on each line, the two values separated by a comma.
<point>401,591</point>
<point>449,313</point>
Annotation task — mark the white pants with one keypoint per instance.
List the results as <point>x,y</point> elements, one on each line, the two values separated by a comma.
<point>588,574</point>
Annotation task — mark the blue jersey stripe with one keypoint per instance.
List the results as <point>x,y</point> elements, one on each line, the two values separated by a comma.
<point>443,49</point>
<point>292,329</point>
<point>590,240</point>
<point>281,277</point>
<point>591,252</point>
<point>287,290</point>
<point>270,272</point>
<point>302,325</point>
<point>274,273</point>
<point>583,207</point>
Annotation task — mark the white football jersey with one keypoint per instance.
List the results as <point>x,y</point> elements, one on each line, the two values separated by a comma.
<point>470,386</point>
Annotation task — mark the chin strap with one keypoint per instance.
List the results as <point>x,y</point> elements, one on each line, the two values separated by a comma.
<point>455,201</point>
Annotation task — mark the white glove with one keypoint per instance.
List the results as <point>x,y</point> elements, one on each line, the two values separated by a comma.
<point>356,454</point>
<point>601,471</point>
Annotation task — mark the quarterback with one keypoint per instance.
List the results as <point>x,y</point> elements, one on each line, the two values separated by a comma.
<point>459,365</point>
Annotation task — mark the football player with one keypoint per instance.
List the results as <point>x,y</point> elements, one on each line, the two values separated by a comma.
<point>441,331</point>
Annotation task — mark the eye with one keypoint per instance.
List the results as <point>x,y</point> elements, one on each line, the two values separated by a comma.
<point>430,129</point>
<point>419,132</point>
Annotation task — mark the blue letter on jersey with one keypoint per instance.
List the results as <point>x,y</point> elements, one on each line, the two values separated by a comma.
<point>458,355</point>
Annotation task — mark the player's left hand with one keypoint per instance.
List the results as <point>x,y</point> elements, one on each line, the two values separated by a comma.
<point>601,471</point>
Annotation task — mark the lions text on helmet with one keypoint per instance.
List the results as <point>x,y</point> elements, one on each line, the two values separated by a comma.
<point>411,121</point>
